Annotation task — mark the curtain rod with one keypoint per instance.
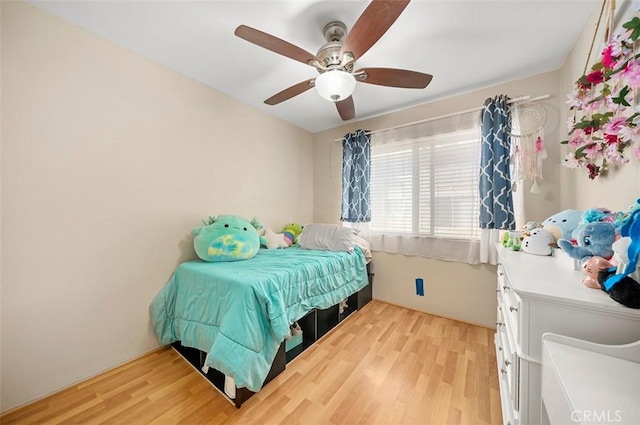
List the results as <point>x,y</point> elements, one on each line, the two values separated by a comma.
<point>517,99</point>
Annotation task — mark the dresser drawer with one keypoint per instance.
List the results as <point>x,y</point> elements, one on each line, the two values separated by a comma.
<point>510,303</point>
<point>508,364</point>
<point>509,415</point>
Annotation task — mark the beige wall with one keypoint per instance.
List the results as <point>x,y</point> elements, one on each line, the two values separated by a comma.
<point>621,187</point>
<point>451,289</point>
<point>108,161</point>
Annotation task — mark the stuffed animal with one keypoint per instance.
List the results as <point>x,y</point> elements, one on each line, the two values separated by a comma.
<point>621,253</point>
<point>623,216</point>
<point>259,227</point>
<point>591,267</point>
<point>626,290</point>
<point>274,240</point>
<point>505,239</point>
<point>562,224</point>
<point>226,238</point>
<point>592,215</point>
<point>593,239</point>
<point>539,242</point>
<point>513,240</point>
<point>291,232</point>
<point>530,226</point>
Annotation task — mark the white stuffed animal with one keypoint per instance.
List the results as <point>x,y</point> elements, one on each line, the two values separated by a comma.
<point>275,240</point>
<point>538,242</point>
<point>621,256</point>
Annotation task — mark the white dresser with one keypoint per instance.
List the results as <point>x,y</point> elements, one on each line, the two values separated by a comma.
<point>542,294</point>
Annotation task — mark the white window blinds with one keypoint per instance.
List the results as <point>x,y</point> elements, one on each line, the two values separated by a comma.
<point>424,189</point>
<point>427,187</point>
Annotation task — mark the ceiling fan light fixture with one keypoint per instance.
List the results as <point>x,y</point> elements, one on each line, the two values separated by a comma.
<point>335,85</point>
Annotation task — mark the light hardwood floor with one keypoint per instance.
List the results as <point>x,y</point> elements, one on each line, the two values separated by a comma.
<point>383,365</point>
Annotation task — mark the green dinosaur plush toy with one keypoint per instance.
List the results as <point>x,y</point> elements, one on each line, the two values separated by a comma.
<point>291,233</point>
<point>226,238</point>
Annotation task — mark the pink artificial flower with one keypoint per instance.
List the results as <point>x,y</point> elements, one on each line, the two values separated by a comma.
<point>632,73</point>
<point>608,103</point>
<point>631,134</point>
<point>616,80</point>
<point>614,125</point>
<point>607,57</point>
<point>592,105</point>
<point>593,151</point>
<point>613,155</point>
<point>576,141</point>
<point>595,77</point>
<point>571,121</point>
<point>618,46</point>
<point>593,171</point>
<point>576,99</point>
<point>570,161</point>
<point>611,139</point>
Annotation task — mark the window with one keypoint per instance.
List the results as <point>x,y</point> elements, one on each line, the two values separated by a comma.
<point>427,186</point>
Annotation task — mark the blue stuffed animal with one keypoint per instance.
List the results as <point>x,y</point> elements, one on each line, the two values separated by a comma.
<point>226,238</point>
<point>629,293</point>
<point>561,225</point>
<point>594,239</point>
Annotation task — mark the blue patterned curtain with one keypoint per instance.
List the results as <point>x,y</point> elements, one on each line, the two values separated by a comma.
<point>496,204</point>
<point>356,171</point>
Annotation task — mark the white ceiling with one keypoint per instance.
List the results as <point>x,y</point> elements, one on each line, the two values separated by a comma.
<point>465,45</point>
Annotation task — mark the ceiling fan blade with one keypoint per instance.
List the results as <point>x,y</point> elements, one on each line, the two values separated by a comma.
<point>346,109</point>
<point>274,44</point>
<point>371,25</point>
<point>290,92</point>
<point>395,78</point>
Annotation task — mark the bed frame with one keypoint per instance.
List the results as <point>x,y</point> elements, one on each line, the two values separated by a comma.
<point>314,324</point>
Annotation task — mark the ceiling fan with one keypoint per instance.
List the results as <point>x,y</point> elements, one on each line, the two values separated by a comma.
<point>335,60</point>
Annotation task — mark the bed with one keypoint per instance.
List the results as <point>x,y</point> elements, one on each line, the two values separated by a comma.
<point>239,313</point>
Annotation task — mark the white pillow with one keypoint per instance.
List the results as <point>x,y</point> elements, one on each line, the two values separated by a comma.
<point>328,237</point>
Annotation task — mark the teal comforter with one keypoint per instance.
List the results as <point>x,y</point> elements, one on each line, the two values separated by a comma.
<point>240,312</point>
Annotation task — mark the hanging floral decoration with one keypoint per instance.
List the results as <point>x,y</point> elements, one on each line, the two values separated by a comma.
<point>608,127</point>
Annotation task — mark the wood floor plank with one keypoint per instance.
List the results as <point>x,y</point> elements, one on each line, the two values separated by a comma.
<point>384,365</point>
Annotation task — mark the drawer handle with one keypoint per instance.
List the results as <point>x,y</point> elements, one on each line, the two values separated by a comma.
<point>497,290</point>
<point>512,308</point>
<point>501,274</point>
<point>499,324</point>
<point>503,371</point>
<point>507,362</point>
<point>506,288</point>
<point>499,348</point>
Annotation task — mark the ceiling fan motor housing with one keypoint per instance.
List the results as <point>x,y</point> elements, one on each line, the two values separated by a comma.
<point>329,54</point>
